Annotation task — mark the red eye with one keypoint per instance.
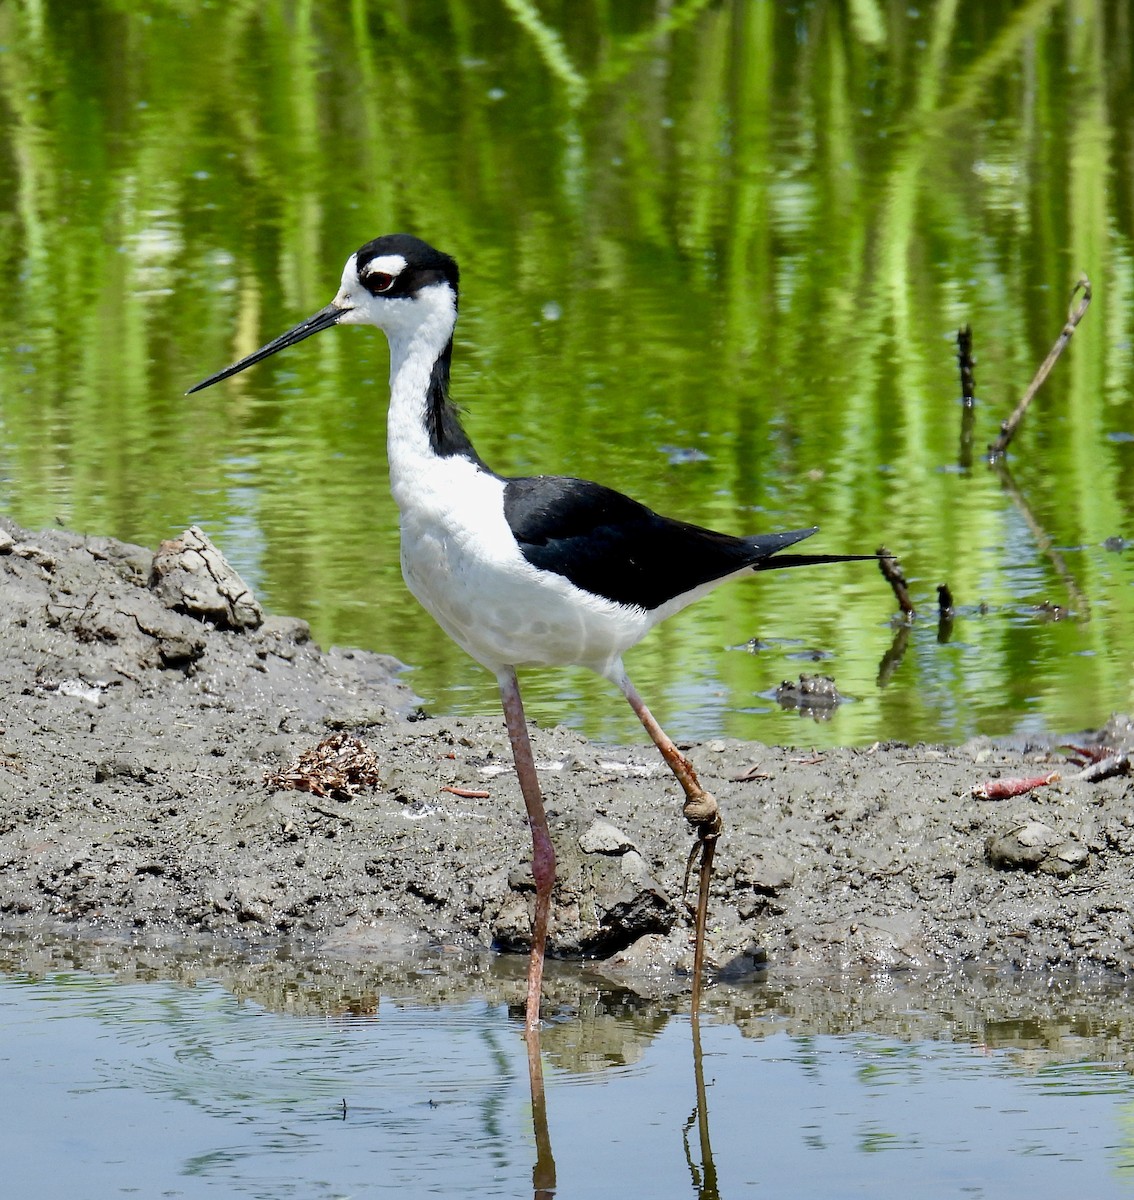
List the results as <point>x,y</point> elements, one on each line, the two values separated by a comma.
<point>379,281</point>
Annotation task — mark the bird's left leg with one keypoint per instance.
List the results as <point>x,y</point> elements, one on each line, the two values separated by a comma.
<point>700,810</point>
<point>543,852</point>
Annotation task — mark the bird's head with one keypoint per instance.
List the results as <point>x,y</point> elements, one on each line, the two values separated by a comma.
<point>396,282</point>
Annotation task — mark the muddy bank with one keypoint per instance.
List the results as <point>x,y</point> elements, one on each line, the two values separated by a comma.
<point>144,710</point>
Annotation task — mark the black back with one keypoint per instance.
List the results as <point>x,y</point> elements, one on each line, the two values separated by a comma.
<point>612,546</point>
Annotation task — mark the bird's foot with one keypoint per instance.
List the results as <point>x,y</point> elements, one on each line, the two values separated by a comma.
<point>703,812</point>
<point>705,846</point>
<point>701,809</point>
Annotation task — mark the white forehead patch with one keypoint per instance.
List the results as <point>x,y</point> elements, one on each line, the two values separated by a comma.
<point>385,264</point>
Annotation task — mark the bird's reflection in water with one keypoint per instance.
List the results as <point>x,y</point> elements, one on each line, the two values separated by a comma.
<point>543,1173</point>
<point>704,1174</point>
<point>702,1168</point>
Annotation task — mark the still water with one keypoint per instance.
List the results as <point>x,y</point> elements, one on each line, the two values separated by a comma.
<point>170,1077</point>
<point>715,253</point>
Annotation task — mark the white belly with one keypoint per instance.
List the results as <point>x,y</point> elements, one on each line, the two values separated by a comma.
<point>461,562</point>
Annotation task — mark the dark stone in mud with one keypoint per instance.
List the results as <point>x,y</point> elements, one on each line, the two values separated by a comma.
<point>136,741</point>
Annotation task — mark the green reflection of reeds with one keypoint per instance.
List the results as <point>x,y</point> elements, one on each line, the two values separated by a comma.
<point>748,230</point>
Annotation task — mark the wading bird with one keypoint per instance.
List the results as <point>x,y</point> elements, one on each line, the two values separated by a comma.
<point>534,571</point>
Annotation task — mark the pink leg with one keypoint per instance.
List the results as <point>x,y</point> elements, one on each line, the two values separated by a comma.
<point>543,852</point>
<point>700,810</point>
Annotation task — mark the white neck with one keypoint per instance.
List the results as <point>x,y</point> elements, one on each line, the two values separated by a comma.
<point>416,342</point>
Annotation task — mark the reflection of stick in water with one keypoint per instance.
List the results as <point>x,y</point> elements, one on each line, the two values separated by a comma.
<point>704,1176</point>
<point>543,1173</point>
<point>1043,541</point>
<point>892,659</point>
<point>1074,316</point>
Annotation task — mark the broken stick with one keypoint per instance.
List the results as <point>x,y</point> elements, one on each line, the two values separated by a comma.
<point>1075,315</point>
<point>892,572</point>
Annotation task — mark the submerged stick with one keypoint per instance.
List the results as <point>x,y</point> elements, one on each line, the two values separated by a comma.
<point>1075,315</point>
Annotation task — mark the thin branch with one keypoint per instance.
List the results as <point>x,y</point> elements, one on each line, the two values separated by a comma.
<point>1075,315</point>
<point>892,572</point>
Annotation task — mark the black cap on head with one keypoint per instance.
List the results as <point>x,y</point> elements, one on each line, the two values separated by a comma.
<point>424,265</point>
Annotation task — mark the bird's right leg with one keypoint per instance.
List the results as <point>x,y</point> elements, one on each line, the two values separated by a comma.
<point>700,810</point>
<point>543,852</point>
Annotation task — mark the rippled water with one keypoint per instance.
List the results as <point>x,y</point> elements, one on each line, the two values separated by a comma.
<point>115,1085</point>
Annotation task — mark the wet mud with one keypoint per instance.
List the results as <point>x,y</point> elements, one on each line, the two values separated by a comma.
<point>153,785</point>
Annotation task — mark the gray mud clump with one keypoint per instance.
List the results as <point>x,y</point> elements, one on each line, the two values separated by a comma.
<point>160,733</point>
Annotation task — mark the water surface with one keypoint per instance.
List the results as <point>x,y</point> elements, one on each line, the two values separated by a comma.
<point>200,1074</point>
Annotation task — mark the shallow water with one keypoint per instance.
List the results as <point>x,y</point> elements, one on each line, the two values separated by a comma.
<point>714,254</point>
<point>202,1073</point>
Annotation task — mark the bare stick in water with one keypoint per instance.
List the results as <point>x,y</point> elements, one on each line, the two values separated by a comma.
<point>1074,316</point>
<point>968,396</point>
<point>892,572</point>
<point>945,613</point>
<point>965,362</point>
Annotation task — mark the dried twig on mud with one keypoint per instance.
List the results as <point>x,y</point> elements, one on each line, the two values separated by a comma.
<point>1074,316</point>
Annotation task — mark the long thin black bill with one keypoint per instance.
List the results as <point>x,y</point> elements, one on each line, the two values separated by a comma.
<point>323,319</point>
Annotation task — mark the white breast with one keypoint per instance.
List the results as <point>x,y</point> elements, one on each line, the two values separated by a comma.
<point>460,560</point>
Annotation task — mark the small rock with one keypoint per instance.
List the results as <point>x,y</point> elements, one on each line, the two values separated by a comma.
<point>766,872</point>
<point>1023,846</point>
<point>638,908</point>
<point>119,766</point>
<point>191,576</point>
<point>1065,859</point>
<point>634,868</point>
<point>512,929</point>
<point>604,838</point>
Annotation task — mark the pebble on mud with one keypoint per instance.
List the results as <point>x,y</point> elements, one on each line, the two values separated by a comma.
<point>766,872</point>
<point>601,837</point>
<point>1032,845</point>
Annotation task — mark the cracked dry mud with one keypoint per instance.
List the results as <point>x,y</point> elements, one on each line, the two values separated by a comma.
<point>143,716</point>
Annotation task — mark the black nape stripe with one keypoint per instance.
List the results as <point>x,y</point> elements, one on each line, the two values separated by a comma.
<point>447,438</point>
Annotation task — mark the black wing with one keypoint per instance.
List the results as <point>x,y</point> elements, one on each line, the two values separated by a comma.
<point>612,546</point>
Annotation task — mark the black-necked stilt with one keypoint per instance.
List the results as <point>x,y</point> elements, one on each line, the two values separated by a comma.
<point>533,571</point>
